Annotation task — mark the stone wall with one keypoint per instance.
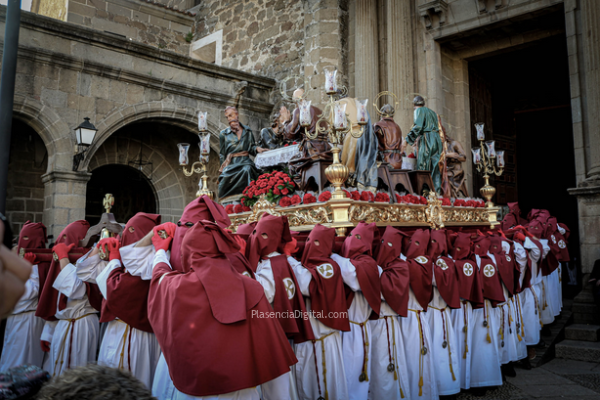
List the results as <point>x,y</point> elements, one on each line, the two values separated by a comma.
<point>66,72</point>
<point>144,22</point>
<point>28,161</point>
<point>265,37</point>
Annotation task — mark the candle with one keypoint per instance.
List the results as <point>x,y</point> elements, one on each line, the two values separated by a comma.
<point>202,122</point>
<point>500,158</point>
<point>330,82</point>
<point>476,155</point>
<point>305,117</point>
<point>340,121</point>
<point>361,111</point>
<point>480,134</point>
<point>490,144</point>
<point>183,153</point>
<point>204,145</point>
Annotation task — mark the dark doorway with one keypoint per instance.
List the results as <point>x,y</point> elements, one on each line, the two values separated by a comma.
<point>523,96</point>
<point>131,189</point>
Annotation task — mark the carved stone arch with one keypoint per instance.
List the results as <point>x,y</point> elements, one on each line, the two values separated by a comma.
<point>53,131</point>
<point>160,111</point>
<point>166,185</point>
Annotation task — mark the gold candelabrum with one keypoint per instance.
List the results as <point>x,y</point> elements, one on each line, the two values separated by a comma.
<point>488,161</point>
<point>198,167</point>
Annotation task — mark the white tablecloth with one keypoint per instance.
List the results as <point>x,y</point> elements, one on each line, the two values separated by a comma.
<point>274,157</point>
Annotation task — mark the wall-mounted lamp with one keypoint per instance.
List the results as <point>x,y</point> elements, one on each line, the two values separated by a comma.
<point>84,134</point>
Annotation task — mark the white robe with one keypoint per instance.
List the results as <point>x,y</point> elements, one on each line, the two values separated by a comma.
<point>485,361</point>
<point>529,298</point>
<point>330,344</point>
<point>47,334</point>
<point>555,291</point>
<point>462,321</point>
<point>544,290</point>
<point>162,386</point>
<point>387,347</point>
<point>75,337</point>
<point>264,275</point>
<point>24,329</point>
<point>355,344</point>
<point>125,347</point>
<point>521,259</point>
<point>445,359</point>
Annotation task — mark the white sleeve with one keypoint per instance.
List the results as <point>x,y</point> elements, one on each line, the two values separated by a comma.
<point>505,246</point>
<point>534,251</point>
<point>88,267</point>
<point>161,256</point>
<point>348,272</point>
<point>545,246</point>
<point>69,284</point>
<point>32,286</point>
<point>303,276</point>
<point>521,258</point>
<point>264,275</point>
<point>102,278</point>
<point>48,331</point>
<point>138,261</point>
<point>561,230</point>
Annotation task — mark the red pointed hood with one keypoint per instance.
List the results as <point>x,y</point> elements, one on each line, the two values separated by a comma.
<point>268,235</point>
<point>202,208</point>
<point>418,244</point>
<point>395,278</point>
<point>138,226</point>
<point>32,236</point>
<point>438,245</point>
<point>461,247</point>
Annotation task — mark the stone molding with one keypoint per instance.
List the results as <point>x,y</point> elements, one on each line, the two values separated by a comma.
<point>431,8</point>
<point>585,191</point>
<point>80,176</point>
<point>93,37</point>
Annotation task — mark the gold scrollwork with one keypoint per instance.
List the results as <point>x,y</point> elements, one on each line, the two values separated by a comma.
<point>309,216</point>
<point>386,213</point>
<point>434,211</point>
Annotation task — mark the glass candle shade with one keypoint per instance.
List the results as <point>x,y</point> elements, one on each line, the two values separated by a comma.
<point>183,153</point>
<point>500,158</point>
<point>491,148</point>
<point>305,117</point>
<point>476,155</point>
<point>204,145</point>
<point>330,80</point>
<point>480,134</point>
<point>339,121</point>
<point>202,120</point>
<point>361,111</point>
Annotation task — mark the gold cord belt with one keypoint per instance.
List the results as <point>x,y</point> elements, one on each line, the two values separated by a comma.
<point>446,342</point>
<point>321,339</point>
<point>423,350</point>
<point>70,329</point>
<point>364,377</point>
<point>393,355</point>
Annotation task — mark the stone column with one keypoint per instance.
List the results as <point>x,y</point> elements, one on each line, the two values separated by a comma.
<point>590,21</point>
<point>64,199</point>
<point>400,63</point>
<point>366,53</point>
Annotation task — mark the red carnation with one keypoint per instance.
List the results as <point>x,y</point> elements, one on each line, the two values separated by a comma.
<point>229,209</point>
<point>284,191</point>
<point>423,200</point>
<point>411,155</point>
<point>325,196</point>
<point>294,142</point>
<point>285,202</point>
<point>355,195</point>
<point>446,201</point>
<point>238,208</point>
<point>246,209</point>
<point>308,198</point>
<point>367,196</point>
<point>277,191</point>
<point>382,198</point>
<point>295,199</point>
<point>347,193</point>
<point>398,198</point>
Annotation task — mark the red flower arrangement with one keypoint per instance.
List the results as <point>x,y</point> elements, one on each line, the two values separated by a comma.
<point>382,197</point>
<point>355,195</point>
<point>366,195</point>
<point>324,196</point>
<point>285,202</point>
<point>348,195</point>
<point>446,202</point>
<point>411,199</point>
<point>274,185</point>
<point>229,209</point>
<point>309,198</point>
<point>295,199</point>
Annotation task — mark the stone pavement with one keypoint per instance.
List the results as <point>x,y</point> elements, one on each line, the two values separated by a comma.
<point>558,379</point>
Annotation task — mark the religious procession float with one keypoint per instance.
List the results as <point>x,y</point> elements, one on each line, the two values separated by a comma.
<point>336,168</point>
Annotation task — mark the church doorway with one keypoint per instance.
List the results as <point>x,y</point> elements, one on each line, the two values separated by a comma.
<point>132,191</point>
<point>523,97</point>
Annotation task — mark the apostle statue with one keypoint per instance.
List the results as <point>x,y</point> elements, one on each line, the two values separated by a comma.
<point>425,136</point>
<point>236,145</point>
<point>391,144</point>
<point>455,156</point>
<point>272,138</point>
<point>310,150</point>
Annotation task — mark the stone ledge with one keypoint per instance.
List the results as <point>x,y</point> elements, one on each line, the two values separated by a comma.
<point>94,37</point>
<point>581,351</point>
<point>584,191</point>
<point>588,333</point>
<point>66,176</point>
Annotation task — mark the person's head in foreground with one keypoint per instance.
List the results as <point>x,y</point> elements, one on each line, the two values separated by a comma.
<point>94,382</point>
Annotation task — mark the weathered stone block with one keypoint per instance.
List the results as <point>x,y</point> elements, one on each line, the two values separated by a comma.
<point>54,98</point>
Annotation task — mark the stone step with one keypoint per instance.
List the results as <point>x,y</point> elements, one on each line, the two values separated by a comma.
<point>585,296</point>
<point>585,308</point>
<point>557,329</point>
<point>588,333</point>
<point>586,318</point>
<point>578,350</point>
